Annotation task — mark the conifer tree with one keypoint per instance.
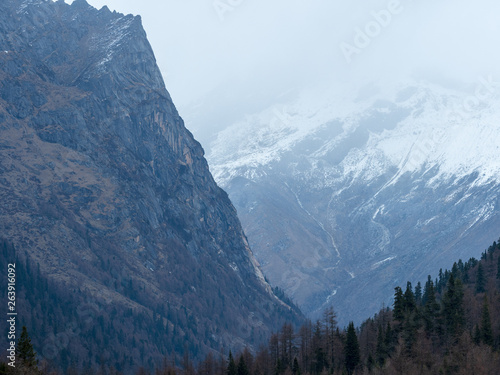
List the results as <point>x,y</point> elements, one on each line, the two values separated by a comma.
<point>280,367</point>
<point>453,309</point>
<point>455,270</point>
<point>409,299</point>
<point>442,280</point>
<point>486,330</point>
<point>418,293</point>
<point>352,352</point>
<point>231,366</point>
<point>426,289</point>
<point>381,350</point>
<point>389,339</point>
<point>480,280</point>
<point>431,307</point>
<point>398,311</point>
<point>498,268</point>
<point>295,368</point>
<point>242,367</point>
<point>25,351</point>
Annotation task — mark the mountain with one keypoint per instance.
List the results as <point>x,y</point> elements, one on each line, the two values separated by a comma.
<point>109,201</point>
<point>347,193</point>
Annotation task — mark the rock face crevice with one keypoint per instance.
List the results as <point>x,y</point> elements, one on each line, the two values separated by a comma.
<point>103,186</point>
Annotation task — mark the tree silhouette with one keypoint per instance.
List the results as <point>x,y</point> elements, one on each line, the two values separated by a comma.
<point>398,310</point>
<point>231,367</point>
<point>25,351</point>
<point>486,330</point>
<point>480,280</point>
<point>453,309</point>
<point>352,353</point>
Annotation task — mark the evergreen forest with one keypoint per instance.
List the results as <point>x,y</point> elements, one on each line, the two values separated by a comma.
<point>446,325</point>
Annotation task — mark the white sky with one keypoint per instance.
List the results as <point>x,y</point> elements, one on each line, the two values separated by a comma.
<point>259,52</point>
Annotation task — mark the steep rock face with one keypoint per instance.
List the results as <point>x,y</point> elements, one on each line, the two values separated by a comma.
<point>344,199</point>
<point>104,188</point>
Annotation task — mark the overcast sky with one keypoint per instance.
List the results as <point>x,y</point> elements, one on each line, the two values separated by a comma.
<point>223,58</point>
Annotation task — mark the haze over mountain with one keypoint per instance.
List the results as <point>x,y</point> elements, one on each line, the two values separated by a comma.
<point>342,197</point>
<point>352,172</point>
<point>222,65</point>
<point>106,193</point>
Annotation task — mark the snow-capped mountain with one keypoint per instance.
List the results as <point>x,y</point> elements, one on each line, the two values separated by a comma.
<point>345,196</point>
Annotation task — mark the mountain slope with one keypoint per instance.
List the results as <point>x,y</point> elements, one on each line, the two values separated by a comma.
<point>343,196</point>
<point>103,187</point>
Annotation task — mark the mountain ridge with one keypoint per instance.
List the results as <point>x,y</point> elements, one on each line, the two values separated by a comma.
<point>106,190</point>
<point>356,174</point>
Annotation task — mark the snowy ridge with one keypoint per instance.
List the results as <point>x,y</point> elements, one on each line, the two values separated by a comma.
<point>262,138</point>
<point>24,4</point>
<point>456,131</point>
<point>113,38</point>
<point>397,182</point>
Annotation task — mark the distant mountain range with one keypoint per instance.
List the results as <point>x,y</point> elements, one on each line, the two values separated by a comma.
<point>345,194</point>
<point>109,202</point>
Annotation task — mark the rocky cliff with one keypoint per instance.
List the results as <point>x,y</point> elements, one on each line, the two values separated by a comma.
<point>103,187</point>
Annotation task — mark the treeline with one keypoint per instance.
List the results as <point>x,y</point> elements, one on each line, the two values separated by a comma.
<point>73,333</point>
<point>448,325</point>
<point>77,334</point>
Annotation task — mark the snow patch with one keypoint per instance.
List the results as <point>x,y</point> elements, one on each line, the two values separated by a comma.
<point>436,131</point>
<point>112,39</point>
<point>378,264</point>
<point>233,266</point>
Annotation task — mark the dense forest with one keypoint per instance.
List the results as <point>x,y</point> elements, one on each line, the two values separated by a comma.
<point>70,331</point>
<point>448,325</point>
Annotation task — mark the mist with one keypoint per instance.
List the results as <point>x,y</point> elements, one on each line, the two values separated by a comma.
<point>223,59</point>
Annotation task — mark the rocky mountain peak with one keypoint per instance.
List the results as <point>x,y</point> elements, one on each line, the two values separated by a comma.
<point>103,186</point>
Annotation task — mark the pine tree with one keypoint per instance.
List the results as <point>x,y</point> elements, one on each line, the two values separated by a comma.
<point>498,268</point>
<point>242,367</point>
<point>480,280</point>
<point>486,330</point>
<point>280,367</point>
<point>295,368</point>
<point>398,311</point>
<point>418,293</point>
<point>409,299</point>
<point>231,366</point>
<point>442,280</point>
<point>431,307</point>
<point>25,351</point>
<point>453,309</point>
<point>426,289</point>
<point>381,350</point>
<point>352,352</point>
<point>389,339</point>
